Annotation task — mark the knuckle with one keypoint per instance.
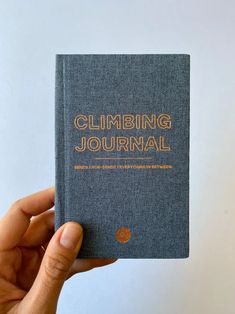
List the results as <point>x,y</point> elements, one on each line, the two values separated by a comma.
<point>17,203</point>
<point>57,267</point>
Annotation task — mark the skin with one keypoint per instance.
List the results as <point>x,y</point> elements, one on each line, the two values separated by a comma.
<point>31,278</point>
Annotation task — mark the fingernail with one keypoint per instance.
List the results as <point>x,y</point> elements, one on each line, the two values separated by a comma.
<point>71,236</point>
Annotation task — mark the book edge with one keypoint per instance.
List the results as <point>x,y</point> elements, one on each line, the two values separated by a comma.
<point>59,142</point>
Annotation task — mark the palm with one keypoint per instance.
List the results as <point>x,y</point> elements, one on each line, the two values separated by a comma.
<point>19,268</point>
<point>27,263</point>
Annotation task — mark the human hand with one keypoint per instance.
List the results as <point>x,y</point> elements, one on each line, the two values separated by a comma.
<point>35,261</point>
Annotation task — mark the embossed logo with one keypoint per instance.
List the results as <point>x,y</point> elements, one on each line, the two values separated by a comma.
<point>123,235</point>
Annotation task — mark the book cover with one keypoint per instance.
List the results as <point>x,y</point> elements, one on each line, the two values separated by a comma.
<point>122,152</point>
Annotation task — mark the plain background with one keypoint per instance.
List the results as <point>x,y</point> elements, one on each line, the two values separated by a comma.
<point>31,33</point>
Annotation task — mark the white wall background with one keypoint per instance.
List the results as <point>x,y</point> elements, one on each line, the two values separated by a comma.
<point>31,33</point>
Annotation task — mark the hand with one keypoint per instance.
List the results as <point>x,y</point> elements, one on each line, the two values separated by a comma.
<point>35,261</point>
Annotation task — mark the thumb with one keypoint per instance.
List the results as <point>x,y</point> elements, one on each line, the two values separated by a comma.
<point>60,254</point>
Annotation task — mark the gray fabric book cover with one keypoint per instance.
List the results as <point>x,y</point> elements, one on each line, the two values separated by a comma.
<point>122,152</point>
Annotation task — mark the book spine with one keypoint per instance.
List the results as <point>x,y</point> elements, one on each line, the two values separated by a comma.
<point>59,142</point>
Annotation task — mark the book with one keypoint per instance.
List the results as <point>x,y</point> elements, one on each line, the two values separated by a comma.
<point>122,152</point>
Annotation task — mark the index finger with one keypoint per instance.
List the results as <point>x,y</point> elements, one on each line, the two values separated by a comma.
<point>17,219</point>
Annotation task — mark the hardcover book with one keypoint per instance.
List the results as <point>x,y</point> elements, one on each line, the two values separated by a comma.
<point>122,152</point>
